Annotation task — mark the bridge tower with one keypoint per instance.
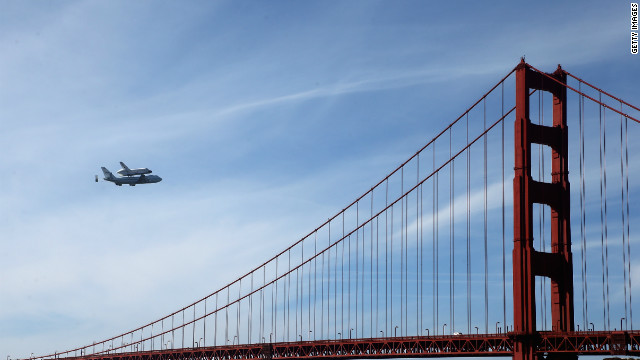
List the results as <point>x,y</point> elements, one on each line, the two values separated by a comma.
<point>528,262</point>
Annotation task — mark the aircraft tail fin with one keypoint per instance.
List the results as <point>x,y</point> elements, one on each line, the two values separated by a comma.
<point>124,166</point>
<point>107,174</point>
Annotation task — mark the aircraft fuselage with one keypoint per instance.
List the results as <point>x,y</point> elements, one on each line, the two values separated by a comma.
<point>135,180</point>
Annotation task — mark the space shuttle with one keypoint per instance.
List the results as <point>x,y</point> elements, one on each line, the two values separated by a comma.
<point>125,171</point>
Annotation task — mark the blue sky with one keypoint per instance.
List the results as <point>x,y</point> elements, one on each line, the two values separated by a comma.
<point>263,118</point>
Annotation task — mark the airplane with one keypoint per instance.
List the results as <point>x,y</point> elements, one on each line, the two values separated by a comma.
<point>125,171</point>
<point>130,180</point>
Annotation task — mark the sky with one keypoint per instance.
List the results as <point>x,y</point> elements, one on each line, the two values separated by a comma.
<point>263,119</point>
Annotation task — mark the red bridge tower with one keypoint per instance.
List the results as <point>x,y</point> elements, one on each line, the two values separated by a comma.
<point>528,262</point>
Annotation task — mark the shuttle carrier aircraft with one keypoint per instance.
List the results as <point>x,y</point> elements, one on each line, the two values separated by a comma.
<point>132,177</point>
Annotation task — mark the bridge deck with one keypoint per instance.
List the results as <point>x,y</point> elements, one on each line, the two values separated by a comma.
<point>580,343</point>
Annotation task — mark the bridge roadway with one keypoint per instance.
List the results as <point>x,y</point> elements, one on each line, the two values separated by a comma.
<point>552,343</point>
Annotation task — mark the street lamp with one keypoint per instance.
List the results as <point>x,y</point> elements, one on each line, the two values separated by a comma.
<point>395,333</point>
<point>476,330</point>
<point>621,323</point>
<point>443,326</point>
<point>339,334</point>
<point>427,332</point>
<point>497,323</point>
<point>350,333</point>
<point>592,327</point>
<point>382,333</point>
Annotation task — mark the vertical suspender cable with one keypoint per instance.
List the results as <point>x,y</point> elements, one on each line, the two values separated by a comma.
<point>437,253</point>
<point>362,290</point>
<point>371,326</point>
<point>604,300</point>
<point>322,317</point>
<point>215,326</point>
<point>433,245</point>
<point>504,290</point>
<point>402,284</point>
<point>329,283</point>
<point>301,287</point>
<point>342,280</point>
<point>418,251</point>
<point>486,257</point>
<point>238,304</point>
<point>335,289</point>
<point>377,311</point>
<point>315,281</point>
<point>419,278</point>
<point>606,232</point>
<point>391,270</point>
<point>544,217</point>
<point>468,231</point>
<point>583,268</point>
<point>287,318</point>
<point>357,263</point>
<point>451,240</point>
<point>204,325</point>
<point>626,155</point>
<point>386,260</point>
<point>250,319</point>
<point>348,289</point>
<point>226,326</point>
<point>406,261</point>
<point>624,250</point>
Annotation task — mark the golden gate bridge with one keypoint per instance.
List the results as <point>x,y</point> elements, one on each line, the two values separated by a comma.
<point>419,265</point>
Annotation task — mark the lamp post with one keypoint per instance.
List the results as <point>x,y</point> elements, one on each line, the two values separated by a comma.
<point>427,332</point>
<point>592,327</point>
<point>443,327</point>
<point>497,323</point>
<point>382,333</point>
<point>395,331</point>
<point>350,333</point>
<point>621,323</point>
<point>477,331</point>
